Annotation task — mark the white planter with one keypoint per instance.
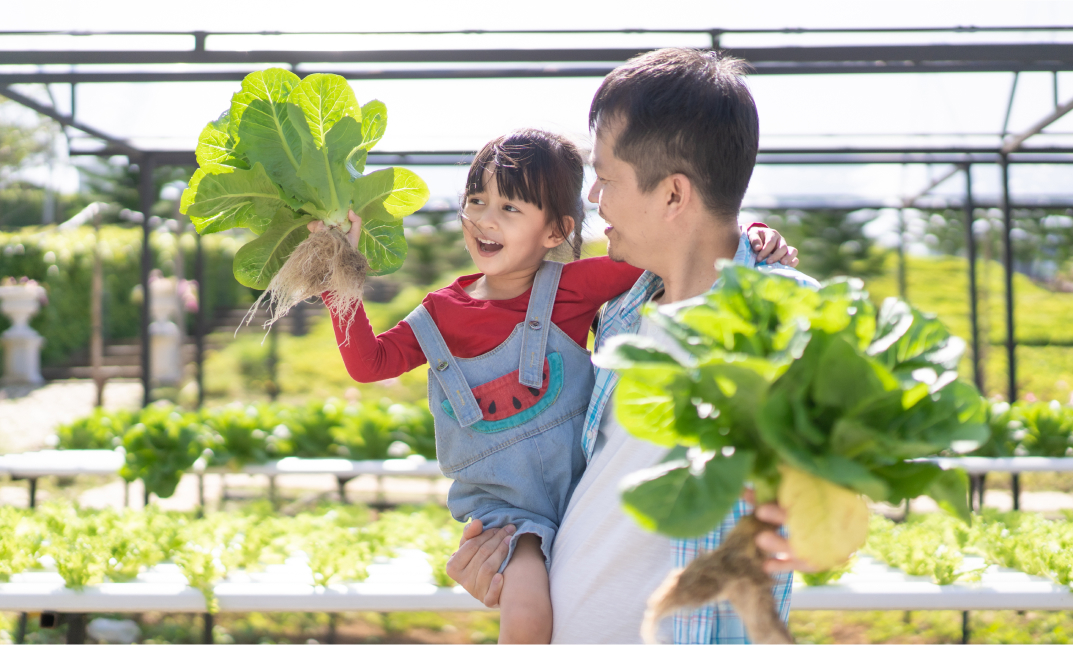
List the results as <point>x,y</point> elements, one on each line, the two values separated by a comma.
<point>165,346</point>
<point>22,343</point>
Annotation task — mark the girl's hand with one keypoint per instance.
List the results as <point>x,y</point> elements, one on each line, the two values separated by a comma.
<point>353,234</point>
<point>769,246</point>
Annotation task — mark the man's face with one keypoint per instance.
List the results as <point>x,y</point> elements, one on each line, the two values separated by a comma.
<point>629,213</point>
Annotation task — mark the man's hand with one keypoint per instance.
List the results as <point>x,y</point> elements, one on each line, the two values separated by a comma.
<point>771,247</point>
<point>352,235</point>
<point>475,565</point>
<point>782,557</point>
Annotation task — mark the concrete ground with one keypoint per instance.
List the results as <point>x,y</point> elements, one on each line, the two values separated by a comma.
<point>30,415</point>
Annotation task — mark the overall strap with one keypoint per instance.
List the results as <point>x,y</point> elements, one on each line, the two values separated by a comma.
<point>444,366</point>
<point>537,324</point>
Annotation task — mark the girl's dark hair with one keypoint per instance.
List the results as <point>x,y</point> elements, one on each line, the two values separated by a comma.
<point>539,167</point>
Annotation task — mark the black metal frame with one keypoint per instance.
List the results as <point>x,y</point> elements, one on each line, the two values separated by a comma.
<point>565,62</point>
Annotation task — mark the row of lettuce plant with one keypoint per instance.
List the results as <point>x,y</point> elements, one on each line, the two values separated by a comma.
<point>88,547</point>
<point>935,546</point>
<point>1037,429</point>
<point>161,442</point>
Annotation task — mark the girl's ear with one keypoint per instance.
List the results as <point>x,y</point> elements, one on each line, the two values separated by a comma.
<point>554,238</point>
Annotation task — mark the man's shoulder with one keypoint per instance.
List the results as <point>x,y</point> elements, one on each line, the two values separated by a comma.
<point>802,279</point>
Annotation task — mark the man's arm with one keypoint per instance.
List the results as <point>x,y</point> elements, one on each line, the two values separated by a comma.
<point>475,565</point>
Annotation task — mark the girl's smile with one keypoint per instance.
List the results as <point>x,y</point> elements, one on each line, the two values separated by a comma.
<point>505,236</point>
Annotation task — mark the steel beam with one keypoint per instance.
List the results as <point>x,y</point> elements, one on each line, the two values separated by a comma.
<point>45,110</point>
<point>590,70</point>
<point>1007,261</point>
<point>147,195</point>
<point>970,252</point>
<point>1004,53</point>
<point>1016,142</point>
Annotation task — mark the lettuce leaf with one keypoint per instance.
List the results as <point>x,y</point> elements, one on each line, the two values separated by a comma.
<point>292,150</point>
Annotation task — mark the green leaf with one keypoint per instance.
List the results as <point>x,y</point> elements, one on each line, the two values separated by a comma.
<point>324,170</point>
<point>324,100</point>
<point>383,244</point>
<point>271,85</point>
<point>391,193</point>
<point>258,261</point>
<point>272,135</point>
<point>907,479</point>
<point>216,147</point>
<point>628,350</point>
<point>373,123</point>
<point>645,402</point>
<point>904,335</point>
<point>239,199</point>
<point>845,378</point>
<point>689,497</point>
<point>951,490</point>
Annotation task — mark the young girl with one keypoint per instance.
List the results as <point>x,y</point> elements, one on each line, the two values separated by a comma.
<point>510,379</point>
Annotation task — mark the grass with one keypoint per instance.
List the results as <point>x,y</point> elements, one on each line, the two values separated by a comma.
<point>310,366</point>
<point>940,285</point>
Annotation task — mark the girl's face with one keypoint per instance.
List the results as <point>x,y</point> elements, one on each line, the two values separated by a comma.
<point>505,236</point>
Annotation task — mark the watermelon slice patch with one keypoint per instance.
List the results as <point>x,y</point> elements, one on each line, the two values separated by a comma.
<point>505,396</point>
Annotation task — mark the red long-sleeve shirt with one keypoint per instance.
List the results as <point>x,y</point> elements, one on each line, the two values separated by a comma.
<point>472,327</point>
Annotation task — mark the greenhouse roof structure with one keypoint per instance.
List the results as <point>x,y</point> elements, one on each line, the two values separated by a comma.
<point>850,117</point>
<point>929,96</point>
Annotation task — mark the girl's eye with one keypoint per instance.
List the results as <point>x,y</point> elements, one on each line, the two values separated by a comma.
<point>511,208</point>
<point>475,201</point>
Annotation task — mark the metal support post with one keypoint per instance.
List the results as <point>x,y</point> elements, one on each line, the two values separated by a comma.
<point>1007,260</point>
<point>33,492</point>
<point>201,494</point>
<point>970,252</point>
<point>206,636</point>
<point>332,636</point>
<point>199,330</point>
<point>272,494</point>
<point>147,194</point>
<point>980,491</point>
<point>965,631</point>
<point>76,628</point>
<point>20,633</point>
<point>342,488</point>
<point>273,363</point>
<point>902,288</point>
<point>1015,489</point>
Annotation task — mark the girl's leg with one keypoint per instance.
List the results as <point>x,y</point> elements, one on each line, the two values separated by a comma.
<point>525,604</point>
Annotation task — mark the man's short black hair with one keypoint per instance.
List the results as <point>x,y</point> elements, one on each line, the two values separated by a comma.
<point>683,111</point>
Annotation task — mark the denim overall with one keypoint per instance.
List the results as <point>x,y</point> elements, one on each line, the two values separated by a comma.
<point>508,423</point>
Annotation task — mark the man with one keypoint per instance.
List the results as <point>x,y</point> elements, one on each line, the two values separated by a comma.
<point>676,137</point>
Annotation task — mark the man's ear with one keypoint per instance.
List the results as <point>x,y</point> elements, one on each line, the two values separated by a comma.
<point>678,192</point>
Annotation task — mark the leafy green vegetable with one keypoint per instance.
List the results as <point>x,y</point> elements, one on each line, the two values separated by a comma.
<point>162,445</point>
<point>88,547</point>
<point>290,151</point>
<point>162,442</point>
<point>787,377</point>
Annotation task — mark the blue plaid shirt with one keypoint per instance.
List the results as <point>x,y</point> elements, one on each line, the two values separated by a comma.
<point>715,623</point>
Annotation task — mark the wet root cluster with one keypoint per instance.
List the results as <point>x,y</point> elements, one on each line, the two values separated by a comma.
<point>734,572</point>
<point>324,262</point>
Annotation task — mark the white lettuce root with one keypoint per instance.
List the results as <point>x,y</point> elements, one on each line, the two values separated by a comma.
<point>733,572</point>
<point>323,262</point>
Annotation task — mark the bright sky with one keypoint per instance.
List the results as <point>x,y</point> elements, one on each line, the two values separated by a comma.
<point>852,110</point>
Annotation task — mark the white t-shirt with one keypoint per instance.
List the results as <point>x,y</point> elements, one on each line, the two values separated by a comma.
<point>603,565</point>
